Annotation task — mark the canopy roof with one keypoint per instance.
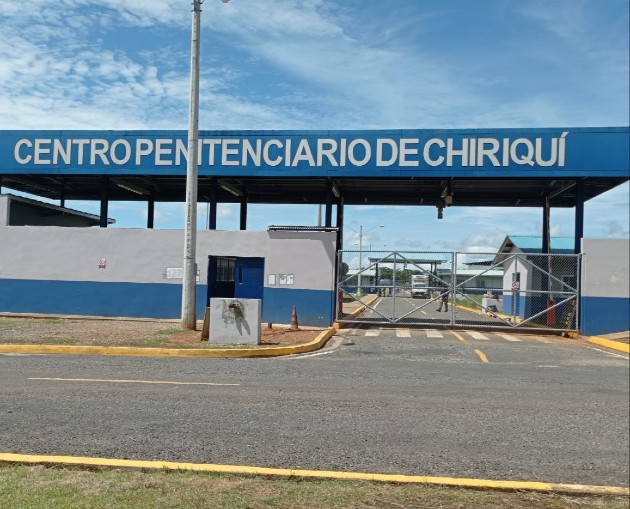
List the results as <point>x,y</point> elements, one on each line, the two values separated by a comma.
<point>458,167</point>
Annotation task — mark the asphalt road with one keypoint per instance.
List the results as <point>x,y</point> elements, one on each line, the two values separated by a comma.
<point>514,407</point>
<point>404,309</point>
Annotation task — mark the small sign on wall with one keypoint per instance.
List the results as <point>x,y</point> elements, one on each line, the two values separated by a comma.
<point>176,273</point>
<point>271,280</point>
<point>102,263</point>
<point>286,279</point>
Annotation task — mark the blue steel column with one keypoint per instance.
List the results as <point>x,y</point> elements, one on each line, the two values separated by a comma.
<point>212,220</point>
<point>150,213</point>
<point>104,201</point>
<point>579,216</point>
<point>338,299</point>
<point>329,204</point>
<point>243,225</point>
<point>546,283</point>
<point>577,248</point>
<point>546,240</point>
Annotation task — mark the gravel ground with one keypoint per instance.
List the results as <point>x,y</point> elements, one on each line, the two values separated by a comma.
<point>115,332</point>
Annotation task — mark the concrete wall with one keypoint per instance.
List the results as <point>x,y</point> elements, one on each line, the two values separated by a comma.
<point>122,272</point>
<point>605,303</point>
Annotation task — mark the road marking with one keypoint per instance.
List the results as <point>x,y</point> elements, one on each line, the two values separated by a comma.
<point>372,333</point>
<point>482,356</point>
<point>403,333</point>
<point>322,474</point>
<point>609,353</point>
<point>20,354</point>
<point>542,340</point>
<point>127,381</point>
<point>305,356</point>
<point>424,312</point>
<point>478,335</point>
<point>508,337</point>
<point>434,334</point>
<point>458,336</point>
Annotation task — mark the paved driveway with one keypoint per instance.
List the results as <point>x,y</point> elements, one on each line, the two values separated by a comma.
<point>400,401</point>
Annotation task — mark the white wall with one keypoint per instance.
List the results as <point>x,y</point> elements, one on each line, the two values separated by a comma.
<point>605,268</point>
<point>141,255</point>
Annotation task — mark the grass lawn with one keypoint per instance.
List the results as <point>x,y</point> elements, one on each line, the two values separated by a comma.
<point>32,487</point>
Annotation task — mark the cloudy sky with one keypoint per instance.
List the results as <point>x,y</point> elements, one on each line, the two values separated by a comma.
<point>328,64</point>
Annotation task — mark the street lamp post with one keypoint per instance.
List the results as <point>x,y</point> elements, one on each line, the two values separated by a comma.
<point>360,232</point>
<point>189,281</point>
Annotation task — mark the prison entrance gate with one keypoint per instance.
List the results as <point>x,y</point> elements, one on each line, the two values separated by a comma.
<point>472,290</point>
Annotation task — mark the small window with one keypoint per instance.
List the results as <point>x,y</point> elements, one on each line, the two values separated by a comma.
<point>225,269</point>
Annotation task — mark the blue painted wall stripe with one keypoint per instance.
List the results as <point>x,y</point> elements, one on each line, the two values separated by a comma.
<point>314,307</point>
<point>138,300</point>
<point>148,300</point>
<point>603,315</point>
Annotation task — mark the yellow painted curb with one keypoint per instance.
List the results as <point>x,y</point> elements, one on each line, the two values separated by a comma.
<point>363,307</point>
<point>508,318</point>
<point>222,353</point>
<point>615,345</point>
<point>322,474</point>
<point>357,311</point>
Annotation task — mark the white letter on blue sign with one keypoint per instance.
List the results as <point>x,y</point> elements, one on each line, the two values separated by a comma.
<point>268,161</point>
<point>329,152</point>
<point>380,161</point>
<point>528,157</point>
<point>426,154</point>
<point>18,156</point>
<point>144,147</point>
<point>451,152</point>
<point>127,155</point>
<point>483,152</point>
<point>303,153</point>
<point>351,155</point>
<point>406,151</point>
<point>39,150</point>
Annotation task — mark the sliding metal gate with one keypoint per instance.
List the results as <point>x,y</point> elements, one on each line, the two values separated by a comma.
<point>480,290</point>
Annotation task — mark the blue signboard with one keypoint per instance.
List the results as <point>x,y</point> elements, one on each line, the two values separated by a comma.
<point>550,152</point>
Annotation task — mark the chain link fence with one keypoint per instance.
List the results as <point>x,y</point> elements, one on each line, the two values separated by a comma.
<point>499,290</point>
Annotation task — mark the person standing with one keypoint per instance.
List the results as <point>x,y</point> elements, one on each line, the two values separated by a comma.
<point>443,299</point>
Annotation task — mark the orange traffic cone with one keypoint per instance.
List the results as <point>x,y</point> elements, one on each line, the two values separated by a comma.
<point>294,319</point>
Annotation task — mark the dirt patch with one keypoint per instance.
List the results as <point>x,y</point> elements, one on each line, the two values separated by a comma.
<point>154,333</point>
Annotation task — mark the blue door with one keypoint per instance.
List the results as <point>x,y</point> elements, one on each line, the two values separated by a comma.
<point>249,278</point>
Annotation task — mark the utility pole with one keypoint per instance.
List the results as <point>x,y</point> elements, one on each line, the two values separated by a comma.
<point>189,282</point>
